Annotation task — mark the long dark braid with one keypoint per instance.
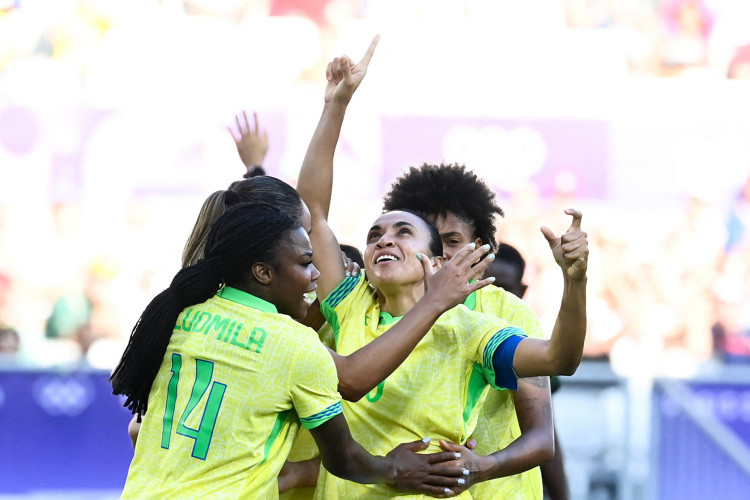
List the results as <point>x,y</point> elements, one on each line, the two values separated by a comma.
<point>247,233</point>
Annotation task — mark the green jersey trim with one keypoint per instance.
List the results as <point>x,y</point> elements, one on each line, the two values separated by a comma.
<point>322,417</point>
<point>471,301</point>
<point>387,319</point>
<point>328,306</point>
<point>477,384</point>
<point>246,299</point>
<point>277,426</point>
<point>489,352</point>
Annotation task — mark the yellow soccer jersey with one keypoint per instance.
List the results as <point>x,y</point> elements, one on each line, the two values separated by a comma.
<point>304,447</point>
<point>498,426</point>
<point>435,393</point>
<point>236,382</point>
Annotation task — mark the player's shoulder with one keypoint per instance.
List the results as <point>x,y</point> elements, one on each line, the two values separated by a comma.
<point>351,289</point>
<point>495,299</point>
<point>461,317</point>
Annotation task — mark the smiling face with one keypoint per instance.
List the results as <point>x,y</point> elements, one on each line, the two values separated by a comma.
<point>455,233</point>
<point>293,275</point>
<point>393,242</point>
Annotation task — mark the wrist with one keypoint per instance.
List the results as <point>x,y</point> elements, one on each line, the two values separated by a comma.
<point>254,170</point>
<point>430,307</point>
<point>490,466</point>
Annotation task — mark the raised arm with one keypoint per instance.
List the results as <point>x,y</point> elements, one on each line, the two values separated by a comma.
<point>561,354</point>
<point>316,174</point>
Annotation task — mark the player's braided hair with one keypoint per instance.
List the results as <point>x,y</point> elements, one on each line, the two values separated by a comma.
<point>245,234</point>
<point>438,189</point>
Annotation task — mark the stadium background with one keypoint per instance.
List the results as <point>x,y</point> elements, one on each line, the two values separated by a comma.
<point>113,121</point>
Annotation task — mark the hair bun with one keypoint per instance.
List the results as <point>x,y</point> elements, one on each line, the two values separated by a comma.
<point>231,198</point>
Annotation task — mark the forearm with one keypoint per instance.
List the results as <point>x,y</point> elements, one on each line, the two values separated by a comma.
<point>365,368</point>
<point>316,174</point>
<point>344,457</point>
<point>553,476</point>
<point>301,474</point>
<point>528,451</point>
<point>535,445</point>
<point>569,332</point>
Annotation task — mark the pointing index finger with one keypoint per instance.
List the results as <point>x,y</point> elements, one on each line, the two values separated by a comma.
<point>370,51</point>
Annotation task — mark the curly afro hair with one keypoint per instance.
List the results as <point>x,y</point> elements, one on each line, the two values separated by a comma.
<point>435,190</point>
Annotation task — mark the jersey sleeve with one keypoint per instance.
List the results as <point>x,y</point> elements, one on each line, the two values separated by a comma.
<point>340,302</point>
<point>314,384</point>
<point>503,304</point>
<point>493,345</point>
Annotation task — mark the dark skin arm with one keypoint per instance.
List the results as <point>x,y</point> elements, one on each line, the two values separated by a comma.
<point>553,476</point>
<point>533,447</point>
<point>302,474</point>
<point>402,469</point>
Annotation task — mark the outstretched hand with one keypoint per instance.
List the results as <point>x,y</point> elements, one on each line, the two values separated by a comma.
<point>344,76</point>
<point>251,141</point>
<point>571,250</point>
<point>458,277</point>
<point>425,473</point>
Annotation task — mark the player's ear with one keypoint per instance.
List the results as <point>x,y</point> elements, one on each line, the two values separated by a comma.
<point>263,273</point>
<point>437,262</point>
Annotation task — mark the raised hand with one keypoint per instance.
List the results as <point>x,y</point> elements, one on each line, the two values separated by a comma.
<point>458,277</point>
<point>425,473</point>
<point>344,76</point>
<point>352,268</point>
<point>251,141</point>
<point>571,250</point>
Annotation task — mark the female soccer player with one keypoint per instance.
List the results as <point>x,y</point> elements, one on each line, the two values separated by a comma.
<point>229,376</point>
<point>440,387</point>
<point>463,207</point>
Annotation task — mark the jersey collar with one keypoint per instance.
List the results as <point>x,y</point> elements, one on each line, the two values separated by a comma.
<point>246,299</point>
<point>386,318</point>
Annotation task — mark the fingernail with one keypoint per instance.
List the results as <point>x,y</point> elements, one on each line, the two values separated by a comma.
<point>492,279</point>
<point>473,245</point>
<point>346,265</point>
<point>419,256</point>
<point>461,481</point>
<point>426,440</point>
<point>457,455</point>
<point>486,247</point>
<point>491,256</point>
<point>348,274</point>
<point>467,472</point>
<point>446,490</point>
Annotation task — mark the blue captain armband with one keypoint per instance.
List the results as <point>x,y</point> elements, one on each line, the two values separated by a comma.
<point>500,351</point>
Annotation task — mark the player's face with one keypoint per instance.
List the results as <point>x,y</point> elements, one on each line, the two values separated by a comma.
<point>295,275</point>
<point>393,242</point>
<point>455,232</point>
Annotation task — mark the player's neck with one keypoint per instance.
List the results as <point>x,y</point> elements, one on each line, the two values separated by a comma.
<point>399,300</point>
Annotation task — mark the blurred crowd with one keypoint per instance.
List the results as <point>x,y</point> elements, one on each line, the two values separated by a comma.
<point>672,298</point>
<point>663,38</point>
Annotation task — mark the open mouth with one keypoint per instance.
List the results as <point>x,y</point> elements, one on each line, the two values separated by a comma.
<point>310,296</point>
<point>386,258</point>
